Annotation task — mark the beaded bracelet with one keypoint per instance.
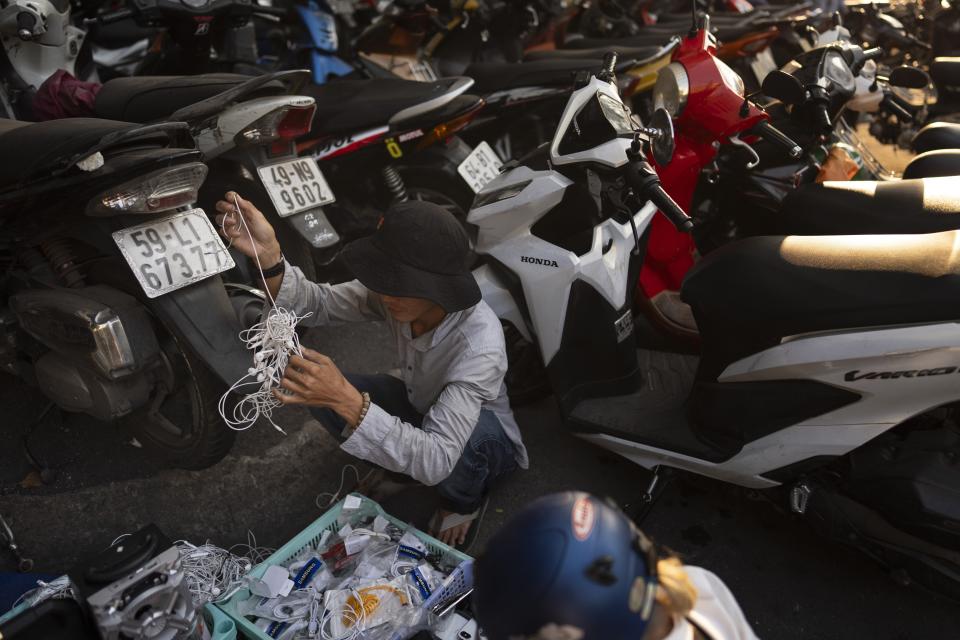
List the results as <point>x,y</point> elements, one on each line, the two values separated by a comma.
<point>363,414</point>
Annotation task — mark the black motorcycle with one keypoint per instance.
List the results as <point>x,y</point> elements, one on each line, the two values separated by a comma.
<point>113,300</point>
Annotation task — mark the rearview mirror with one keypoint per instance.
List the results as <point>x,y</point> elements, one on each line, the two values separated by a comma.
<point>663,144</point>
<point>784,87</point>
<point>909,77</point>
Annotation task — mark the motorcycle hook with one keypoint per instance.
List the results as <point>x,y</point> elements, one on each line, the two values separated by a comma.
<point>24,565</point>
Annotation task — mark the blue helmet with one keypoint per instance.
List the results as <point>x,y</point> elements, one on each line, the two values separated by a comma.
<point>569,559</point>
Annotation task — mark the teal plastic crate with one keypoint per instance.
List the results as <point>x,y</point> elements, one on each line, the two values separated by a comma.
<point>220,625</point>
<point>9,614</point>
<point>310,537</point>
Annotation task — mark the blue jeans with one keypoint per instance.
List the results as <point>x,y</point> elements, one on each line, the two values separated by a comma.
<point>487,456</point>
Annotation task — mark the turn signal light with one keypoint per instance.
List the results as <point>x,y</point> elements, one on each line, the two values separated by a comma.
<point>158,191</point>
<point>447,129</point>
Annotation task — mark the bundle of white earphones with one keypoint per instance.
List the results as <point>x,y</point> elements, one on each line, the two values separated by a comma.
<point>272,340</point>
<point>212,574</point>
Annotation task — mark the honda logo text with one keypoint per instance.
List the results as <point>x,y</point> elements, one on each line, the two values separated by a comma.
<point>544,261</point>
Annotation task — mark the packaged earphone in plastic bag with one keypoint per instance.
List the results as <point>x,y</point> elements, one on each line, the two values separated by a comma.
<point>423,580</point>
<point>364,607</point>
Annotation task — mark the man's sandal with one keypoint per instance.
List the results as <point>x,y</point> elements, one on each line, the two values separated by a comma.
<point>457,519</point>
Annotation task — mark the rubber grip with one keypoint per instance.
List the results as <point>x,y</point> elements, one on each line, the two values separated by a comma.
<point>669,208</point>
<point>891,104</point>
<point>774,136</point>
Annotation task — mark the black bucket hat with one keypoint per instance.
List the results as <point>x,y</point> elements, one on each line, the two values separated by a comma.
<point>419,251</point>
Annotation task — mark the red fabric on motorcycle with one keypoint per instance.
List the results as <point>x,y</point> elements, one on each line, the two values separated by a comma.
<point>63,96</point>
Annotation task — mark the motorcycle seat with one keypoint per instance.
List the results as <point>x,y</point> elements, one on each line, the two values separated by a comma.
<point>658,39</point>
<point>896,206</point>
<point>945,71</point>
<point>641,54</point>
<point>149,98</point>
<point>39,145</point>
<point>498,76</point>
<point>658,36</point>
<point>351,105</point>
<point>940,162</point>
<point>750,294</point>
<point>937,135</point>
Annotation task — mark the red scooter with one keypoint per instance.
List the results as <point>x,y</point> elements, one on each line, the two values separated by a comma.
<point>707,101</point>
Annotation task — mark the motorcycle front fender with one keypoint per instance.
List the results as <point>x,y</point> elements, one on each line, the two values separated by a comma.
<point>203,316</point>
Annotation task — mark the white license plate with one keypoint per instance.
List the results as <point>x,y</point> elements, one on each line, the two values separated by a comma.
<point>763,64</point>
<point>480,167</point>
<point>174,251</point>
<point>295,186</point>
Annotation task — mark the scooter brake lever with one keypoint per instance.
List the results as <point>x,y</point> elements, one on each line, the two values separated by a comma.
<point>735,139</point>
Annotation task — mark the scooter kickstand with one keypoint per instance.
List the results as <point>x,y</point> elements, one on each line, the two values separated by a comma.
<point>658,481</point>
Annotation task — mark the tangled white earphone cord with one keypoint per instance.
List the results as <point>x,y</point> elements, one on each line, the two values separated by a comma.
<point>272,340</point>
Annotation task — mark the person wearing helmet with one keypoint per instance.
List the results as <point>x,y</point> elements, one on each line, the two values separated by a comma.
<point>570,566</point>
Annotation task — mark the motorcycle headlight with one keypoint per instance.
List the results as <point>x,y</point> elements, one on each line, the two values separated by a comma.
<point>671,89</point>
<point>836,70</point>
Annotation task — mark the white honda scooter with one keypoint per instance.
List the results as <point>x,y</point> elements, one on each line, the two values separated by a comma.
<point>829,365</point>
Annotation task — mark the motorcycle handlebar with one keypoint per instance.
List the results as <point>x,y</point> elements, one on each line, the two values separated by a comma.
<point>109,18</point>
<point>669,208</point>
<point>270,11</point>
<point>872,54</point>
<point>26,21</point>
<point>609,66</point>
<point>822,117</point>
<point>892,104</point>
<point>646,184</point>
<point>773,135</point>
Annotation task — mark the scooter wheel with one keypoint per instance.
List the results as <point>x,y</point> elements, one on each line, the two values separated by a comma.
<point>181,422</point>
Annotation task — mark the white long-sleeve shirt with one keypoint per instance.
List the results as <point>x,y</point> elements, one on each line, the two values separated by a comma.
<point>716,612</point>
<point>451,373</point>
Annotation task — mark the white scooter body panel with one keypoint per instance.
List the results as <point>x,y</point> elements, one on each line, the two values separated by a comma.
<point>56,48</point>
<point>611,154</point>
<point>899,373</point>
<point>547,271</point>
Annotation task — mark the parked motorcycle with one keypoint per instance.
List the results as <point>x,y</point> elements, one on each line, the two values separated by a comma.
<point>107,264</point>
<point>796,387</point>
<point>246,129</point>
<point>37,38</point>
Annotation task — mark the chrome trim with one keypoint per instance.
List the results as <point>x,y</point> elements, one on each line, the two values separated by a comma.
<point>678,74</point>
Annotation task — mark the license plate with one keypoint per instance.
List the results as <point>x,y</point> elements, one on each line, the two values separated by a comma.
<point>480,167</point>
<point>763,64</point>
<point>295,186</point>
<point>174,251</point>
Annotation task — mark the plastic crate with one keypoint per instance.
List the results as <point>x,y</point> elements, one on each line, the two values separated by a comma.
<point>310,537</point>
<point>9,614</point>
<point>221,626</point>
